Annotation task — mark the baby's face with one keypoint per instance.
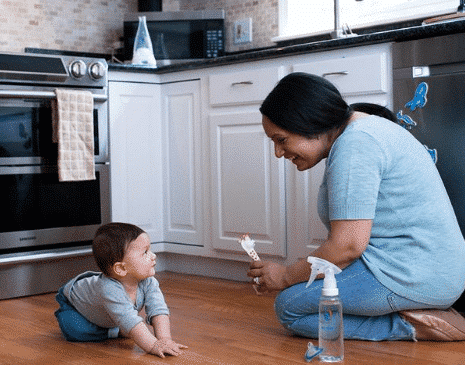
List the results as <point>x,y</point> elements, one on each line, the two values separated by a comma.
<point>139,260</point>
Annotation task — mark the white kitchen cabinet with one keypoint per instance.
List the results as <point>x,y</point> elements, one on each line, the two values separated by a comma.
<point>243,87</point>
<point>182,157</point>
<point>192,165</point>
<point>361,74</point>
<point>247,180</point>
<point>135,155</point>
<point>248,192</point>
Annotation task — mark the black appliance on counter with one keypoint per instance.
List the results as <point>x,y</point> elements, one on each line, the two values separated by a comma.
<point>149,5</point>
<point>41,218</point>
<point>179,36</point>
<point>429,88</point>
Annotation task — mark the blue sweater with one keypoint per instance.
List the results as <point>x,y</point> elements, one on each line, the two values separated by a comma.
<point>377,170</point>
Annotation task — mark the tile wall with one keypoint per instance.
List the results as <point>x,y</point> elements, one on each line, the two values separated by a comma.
<point>95,25</point>
<point>76,25</point>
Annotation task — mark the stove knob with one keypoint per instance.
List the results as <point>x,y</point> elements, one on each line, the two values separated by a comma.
<point>78,69</point>
<point>97,70</point>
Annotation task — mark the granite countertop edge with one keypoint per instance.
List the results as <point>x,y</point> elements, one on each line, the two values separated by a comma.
<point>396,35</point>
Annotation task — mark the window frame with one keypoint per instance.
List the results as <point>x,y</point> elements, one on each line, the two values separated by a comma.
<point>417,9</point>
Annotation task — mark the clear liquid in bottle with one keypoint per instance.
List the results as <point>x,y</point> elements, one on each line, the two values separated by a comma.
<point>331,330</point>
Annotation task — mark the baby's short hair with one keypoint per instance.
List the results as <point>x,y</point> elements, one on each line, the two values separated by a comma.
<point>111,242</point>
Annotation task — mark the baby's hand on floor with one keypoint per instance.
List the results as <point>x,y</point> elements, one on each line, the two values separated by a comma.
<point>167,346</point>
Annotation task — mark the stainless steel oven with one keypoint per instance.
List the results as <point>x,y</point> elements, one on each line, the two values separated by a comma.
<point>40,214</point>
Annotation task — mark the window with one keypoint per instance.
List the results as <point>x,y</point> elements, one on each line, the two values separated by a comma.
<point>303,17</point>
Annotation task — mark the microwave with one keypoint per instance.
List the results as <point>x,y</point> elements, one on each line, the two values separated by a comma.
<point>178,36</point>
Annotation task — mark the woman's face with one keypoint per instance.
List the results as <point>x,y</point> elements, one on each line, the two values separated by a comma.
<point>301,151</point>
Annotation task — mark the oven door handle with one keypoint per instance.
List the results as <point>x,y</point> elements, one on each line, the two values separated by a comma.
<point>40,95</point>
<point>34,257</point>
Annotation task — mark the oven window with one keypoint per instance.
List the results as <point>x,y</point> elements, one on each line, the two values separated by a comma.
<point>18,127</point>
<point>26,131</point>
<point>40,201</point>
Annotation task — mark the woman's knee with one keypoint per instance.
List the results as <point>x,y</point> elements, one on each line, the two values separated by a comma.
<point>280,308</point>
<point>290,307</point>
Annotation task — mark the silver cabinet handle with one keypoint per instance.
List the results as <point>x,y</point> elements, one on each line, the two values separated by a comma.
<point>242,83</point>
<point>337,73</point>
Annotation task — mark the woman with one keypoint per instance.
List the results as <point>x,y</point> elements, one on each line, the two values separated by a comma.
<point>392,229</point>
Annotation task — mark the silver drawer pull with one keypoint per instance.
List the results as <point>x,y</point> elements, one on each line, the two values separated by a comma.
<point>242,83</point>
<point>337,73</point>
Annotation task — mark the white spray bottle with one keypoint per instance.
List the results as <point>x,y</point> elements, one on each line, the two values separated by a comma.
<point>330,329</point>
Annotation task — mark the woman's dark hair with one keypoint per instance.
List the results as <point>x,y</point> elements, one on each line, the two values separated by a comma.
<point>374,109</point>
<point>310,105</point>
<point>111,242</point>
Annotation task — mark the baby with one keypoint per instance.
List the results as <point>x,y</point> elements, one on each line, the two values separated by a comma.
<point>95,306</point>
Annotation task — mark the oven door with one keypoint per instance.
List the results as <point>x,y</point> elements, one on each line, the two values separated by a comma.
<point>37,209</point>
<point>26,126</point>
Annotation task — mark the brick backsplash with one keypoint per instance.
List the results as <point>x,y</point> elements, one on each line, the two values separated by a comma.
<point>95,25</point>
<point>72,25</point>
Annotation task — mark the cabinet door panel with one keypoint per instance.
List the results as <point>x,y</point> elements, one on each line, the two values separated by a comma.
<point>183,199</point>
<point>247,184</point>
<point>135,156</point>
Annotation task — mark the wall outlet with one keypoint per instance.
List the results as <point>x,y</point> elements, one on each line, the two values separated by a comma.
<point>243,31</point>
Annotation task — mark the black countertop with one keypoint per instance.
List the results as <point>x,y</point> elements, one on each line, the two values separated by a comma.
<point>371,37</point>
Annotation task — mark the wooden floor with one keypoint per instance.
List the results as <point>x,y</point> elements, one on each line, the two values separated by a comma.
<point>222,322</point>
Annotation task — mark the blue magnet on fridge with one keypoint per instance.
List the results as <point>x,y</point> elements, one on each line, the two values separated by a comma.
<point>433,152</point>
<point>419,99</point>
<point>405,121</point>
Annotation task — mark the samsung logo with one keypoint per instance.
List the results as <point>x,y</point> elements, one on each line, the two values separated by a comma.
<point>28,238</point>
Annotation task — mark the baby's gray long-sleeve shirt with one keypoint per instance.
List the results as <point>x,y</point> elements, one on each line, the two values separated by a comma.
<point>104,301</point>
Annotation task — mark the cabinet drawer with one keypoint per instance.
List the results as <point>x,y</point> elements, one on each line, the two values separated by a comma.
<point>358,75</point>
<point>242,87</point>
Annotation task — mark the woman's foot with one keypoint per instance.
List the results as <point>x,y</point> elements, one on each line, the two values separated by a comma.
<point>436,324</point>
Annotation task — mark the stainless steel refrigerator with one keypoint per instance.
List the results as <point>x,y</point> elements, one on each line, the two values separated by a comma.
<point>429,98</point>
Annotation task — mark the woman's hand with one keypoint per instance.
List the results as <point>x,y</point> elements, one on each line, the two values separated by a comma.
<point>271,276</point>
<point>278,277</point>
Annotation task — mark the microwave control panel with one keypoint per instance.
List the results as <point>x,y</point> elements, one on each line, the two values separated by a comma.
<point>214,41</point>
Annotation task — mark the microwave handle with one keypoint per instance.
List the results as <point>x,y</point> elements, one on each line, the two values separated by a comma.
<point>39,95</point>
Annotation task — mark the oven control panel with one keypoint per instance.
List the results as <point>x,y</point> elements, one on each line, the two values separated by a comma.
<point>56,70</point>
<point>96,70</point>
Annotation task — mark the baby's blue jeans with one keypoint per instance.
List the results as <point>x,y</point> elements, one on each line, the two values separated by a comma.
<point>75,327</point>
<point>370,309</point>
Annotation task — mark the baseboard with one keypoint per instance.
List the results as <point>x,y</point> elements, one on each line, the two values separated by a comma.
<point>203,266</point>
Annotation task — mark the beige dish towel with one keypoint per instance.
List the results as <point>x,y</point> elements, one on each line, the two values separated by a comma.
<point>73,130</point>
